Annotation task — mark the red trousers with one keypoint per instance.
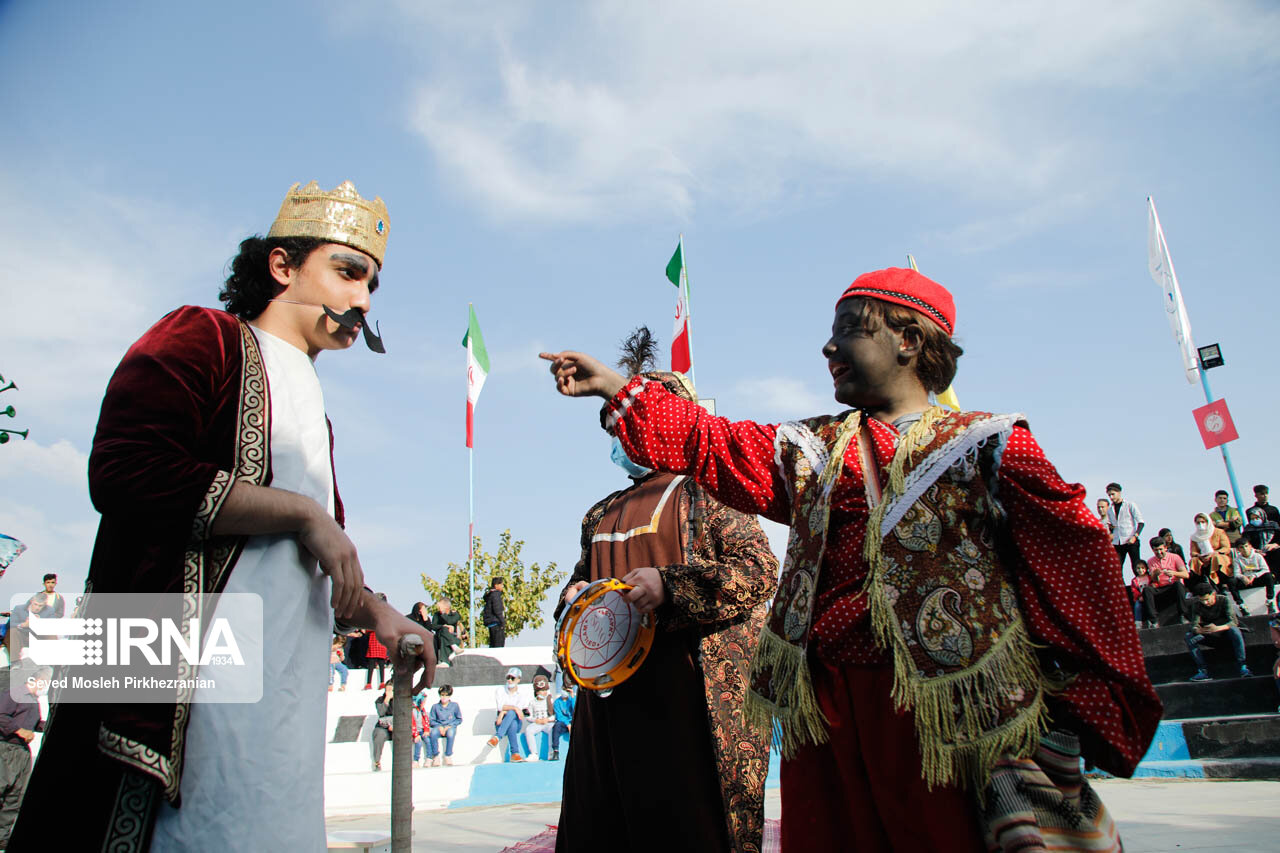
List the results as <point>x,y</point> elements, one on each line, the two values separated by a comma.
<point>862,790</point>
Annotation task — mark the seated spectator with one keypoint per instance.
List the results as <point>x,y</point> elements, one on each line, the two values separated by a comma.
<point>1168,575</point>
<point>448,634</point>
<point>511,703</point>
<point>1260,494</point>
<point>421,614</point>
<point>1210,553</point>
<point>1264,535</point>
<point>381,729</point>
<point>541,715</point>
<point>442,722</point>
<point>1173,547</point>
<point>336,665</point>
<point>563,708</point>
<point>420,729</point>
<point>1213,622</point>
<point>1250,569</point>
<point>1226,517</point>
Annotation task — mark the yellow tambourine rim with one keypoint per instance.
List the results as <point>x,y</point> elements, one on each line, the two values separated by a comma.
<point>569,620</point>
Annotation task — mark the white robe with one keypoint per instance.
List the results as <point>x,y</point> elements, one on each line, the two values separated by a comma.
<point>254,773</point>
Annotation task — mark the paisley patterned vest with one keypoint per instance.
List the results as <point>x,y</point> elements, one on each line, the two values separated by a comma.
<point>939,593</point>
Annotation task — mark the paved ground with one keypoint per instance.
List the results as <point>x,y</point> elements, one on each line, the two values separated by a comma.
<point>1154,815</point>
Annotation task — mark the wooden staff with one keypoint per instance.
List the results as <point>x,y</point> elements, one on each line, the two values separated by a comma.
<point>402,744</point>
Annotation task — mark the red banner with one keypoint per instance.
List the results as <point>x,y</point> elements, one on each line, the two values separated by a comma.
<point>1216,426</point>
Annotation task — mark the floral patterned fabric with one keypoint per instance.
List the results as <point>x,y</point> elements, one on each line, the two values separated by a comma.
<point>719,594</point>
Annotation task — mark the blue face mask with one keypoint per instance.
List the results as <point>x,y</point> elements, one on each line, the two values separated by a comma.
<point>620,458</point>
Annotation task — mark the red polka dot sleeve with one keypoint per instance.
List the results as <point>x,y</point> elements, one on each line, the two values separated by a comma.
<point>733,460</point>
<point>1072,595</point>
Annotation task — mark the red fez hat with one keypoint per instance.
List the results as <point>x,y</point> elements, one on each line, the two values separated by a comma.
<point>907,288</point>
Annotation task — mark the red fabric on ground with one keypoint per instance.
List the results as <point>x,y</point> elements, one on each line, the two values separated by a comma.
<point>863,789</point>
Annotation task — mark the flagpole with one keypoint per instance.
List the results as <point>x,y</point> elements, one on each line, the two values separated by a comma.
<point>471,506</point>
<point>1175,293</point>
<point>688,301</point>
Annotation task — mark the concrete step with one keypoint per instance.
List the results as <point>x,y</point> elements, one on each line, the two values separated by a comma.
<point>1231,738</point>
<point>1167,669</point>
<point>1226,697</point>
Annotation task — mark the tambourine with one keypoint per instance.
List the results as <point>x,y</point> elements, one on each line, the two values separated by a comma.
<point>601,638</point>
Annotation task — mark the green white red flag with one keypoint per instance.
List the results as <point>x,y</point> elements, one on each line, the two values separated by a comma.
<point>477,368</point>
<point>681,346</point>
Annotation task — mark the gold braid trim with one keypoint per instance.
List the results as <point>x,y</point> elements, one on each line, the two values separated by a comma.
<point>801,720</point>
<point>954,753</point>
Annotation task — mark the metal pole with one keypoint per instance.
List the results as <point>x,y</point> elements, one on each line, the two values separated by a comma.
<point>402,744</point>
<point>471,541</point>
<point>1226,454</point>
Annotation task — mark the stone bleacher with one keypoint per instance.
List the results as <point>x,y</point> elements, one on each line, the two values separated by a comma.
<point>1225,728</point>
<point>480,774</point>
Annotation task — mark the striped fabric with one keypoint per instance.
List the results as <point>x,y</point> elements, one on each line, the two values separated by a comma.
<point>1044,803</point>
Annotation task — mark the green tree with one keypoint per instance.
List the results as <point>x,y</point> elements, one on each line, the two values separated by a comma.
<point>524,587</point>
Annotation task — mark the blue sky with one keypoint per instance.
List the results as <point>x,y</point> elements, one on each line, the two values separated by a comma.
<point>541,162</point>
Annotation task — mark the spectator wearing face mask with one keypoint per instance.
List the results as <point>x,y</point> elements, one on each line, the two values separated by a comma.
<point>1210,553</point>
<point>1260,496</point>
<point>1264,535</point>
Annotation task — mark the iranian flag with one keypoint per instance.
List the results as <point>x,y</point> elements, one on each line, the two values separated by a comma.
<point>681,347</point>
<point>477,368</point>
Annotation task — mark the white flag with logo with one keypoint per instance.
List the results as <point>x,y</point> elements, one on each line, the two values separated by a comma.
<point>1161,266</point>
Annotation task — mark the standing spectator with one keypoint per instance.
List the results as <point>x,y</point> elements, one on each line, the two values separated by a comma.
<point>563,708</point>
<point>1104,507</point>
<point>541,714</point>
<point>1226,517</point>
<point>1213,622</point>
<point>494,615</point>
<point>444,623</point>
<point>382,728</point>
<point>1250,569</point>
<point>376,655</point>
<point>55,606</point>
<point>19,721</point>
<point>1174,548</point>
<point>1126,523</point>
<point>336,665</point>
<point>1169,576</point>
<point>443,722</point>
<point>511,703</point>
<point>1141,580</point>
<point>1260,494</point>
<point>1210,553</point>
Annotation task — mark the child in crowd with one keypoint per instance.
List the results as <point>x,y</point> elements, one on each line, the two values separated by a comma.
<point>1140,579</point>
<point>930,646</point>
<point>337,666</point>
<point>540,714</point>
<point>443,722</point>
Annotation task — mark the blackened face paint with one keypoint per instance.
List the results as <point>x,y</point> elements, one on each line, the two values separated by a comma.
<point>355,317</point>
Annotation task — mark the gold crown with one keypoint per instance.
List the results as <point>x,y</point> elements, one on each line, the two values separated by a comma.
<point>339,216</point>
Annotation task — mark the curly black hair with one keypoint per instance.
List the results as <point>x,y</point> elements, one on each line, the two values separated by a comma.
<point>250,286</point>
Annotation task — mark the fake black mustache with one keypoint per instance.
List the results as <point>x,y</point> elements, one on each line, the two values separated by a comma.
<point>355,317</point>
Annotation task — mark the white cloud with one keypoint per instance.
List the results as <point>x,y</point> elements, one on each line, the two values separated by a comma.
<point>623,110</point>
<point>775,398</point>
<point>59,463</point>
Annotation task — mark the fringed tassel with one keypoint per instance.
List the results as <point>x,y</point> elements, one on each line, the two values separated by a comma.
<point>950,756</point>
<point>796,719</point>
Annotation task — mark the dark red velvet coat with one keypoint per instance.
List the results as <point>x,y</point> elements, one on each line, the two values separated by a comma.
<point>186,416</point>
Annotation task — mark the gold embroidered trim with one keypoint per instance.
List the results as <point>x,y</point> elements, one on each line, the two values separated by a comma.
<point>951,754</point>
<point>136,755</point>
<point>202,523</point>
<point>207,560</point>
